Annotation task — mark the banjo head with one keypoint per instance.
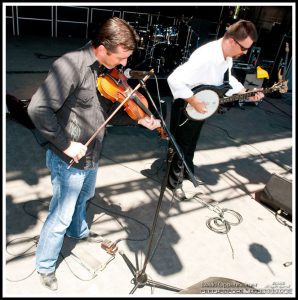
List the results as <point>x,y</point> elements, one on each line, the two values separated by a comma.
<point>210,98</point>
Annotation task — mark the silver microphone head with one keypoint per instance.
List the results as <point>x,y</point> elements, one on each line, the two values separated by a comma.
<point>127,73</point>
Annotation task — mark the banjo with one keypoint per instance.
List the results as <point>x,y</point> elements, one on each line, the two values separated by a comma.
<point>213,96</point>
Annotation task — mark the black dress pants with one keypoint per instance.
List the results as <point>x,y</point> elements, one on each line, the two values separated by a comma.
<point>186,135</point>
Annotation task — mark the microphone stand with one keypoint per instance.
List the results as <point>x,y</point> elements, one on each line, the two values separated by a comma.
<point>171,138</point>
<point>140,276</point>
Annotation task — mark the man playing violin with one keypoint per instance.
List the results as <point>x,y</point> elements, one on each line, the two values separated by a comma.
<point>67,109</point>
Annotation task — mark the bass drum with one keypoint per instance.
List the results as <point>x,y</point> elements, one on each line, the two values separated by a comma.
<point>170,56</point>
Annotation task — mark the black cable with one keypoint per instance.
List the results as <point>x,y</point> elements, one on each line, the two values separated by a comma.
<point>268,112</point>
<point>126,217</point>
<point>35,240</point>
<point>281,219</point>
<point>276,107</point>
<point>31,215</point>
<point>148,229</point>
<point>73,273</point>
<point>158,94</point>
<point>21,255</point>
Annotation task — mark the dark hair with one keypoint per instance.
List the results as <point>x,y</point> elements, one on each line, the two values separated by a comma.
<point>115,32</point>
<point>241,30</point>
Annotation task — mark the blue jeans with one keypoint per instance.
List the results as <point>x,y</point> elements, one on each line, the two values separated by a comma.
<point>72,188</point>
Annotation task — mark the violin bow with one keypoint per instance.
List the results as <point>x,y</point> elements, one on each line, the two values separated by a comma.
<point>112,115</point>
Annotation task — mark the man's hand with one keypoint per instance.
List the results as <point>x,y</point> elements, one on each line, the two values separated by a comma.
<point>149,122</point>
<point>76,151</point>
<point>198,105</point>
<point>257,97</point>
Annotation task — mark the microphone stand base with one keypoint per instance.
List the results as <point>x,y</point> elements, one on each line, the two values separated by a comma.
<point>141,279</point>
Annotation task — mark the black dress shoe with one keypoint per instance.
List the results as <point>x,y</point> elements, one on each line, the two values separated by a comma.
<point>49,280</point>
<point>179,194</point>
<point>197,180</point>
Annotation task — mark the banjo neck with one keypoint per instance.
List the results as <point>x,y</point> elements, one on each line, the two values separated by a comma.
<point>244,96</point>
<point>213,96</point>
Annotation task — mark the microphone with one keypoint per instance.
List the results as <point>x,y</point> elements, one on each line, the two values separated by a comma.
<point>129,73</point>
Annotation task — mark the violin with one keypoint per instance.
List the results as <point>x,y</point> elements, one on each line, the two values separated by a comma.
<point>114,87</point>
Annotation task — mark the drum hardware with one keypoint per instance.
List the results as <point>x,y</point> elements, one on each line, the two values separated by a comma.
<point>171,34</point>
<point>157,33</point>
<point>168,56</point>
<point>186,51</point>
<point>189,47</point>
<point>143,39</point>
<point>158,49</point>
<point>156,62</point>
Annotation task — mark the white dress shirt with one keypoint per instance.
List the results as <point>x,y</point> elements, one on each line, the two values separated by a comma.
<point>205,66</point>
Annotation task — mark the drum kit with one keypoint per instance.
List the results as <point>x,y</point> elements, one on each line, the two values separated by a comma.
<point>158,49</point>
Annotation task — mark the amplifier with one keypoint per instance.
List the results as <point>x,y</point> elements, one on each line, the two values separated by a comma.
<point>277,195</point>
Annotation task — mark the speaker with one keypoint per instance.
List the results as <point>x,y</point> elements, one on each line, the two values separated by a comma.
<point>277,195</point>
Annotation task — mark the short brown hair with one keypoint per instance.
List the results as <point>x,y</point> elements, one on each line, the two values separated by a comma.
<point>116,32</point>
<point>241,30</point>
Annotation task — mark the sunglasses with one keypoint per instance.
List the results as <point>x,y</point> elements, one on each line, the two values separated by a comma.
<point>241,47</point>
